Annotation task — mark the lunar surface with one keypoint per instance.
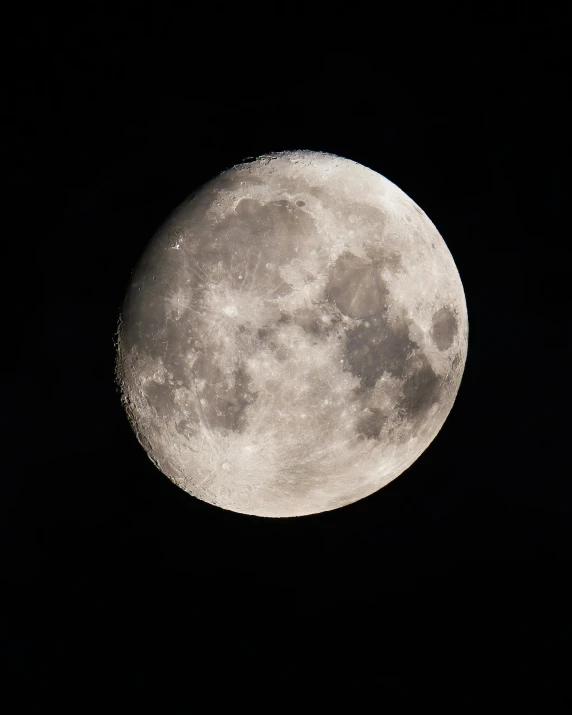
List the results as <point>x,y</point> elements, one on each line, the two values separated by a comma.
<point>293,337</point>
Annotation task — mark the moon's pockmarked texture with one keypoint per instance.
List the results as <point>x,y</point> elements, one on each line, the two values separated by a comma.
<point>293,338</point>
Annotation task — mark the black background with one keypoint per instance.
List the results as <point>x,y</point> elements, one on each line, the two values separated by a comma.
<point>451,581</point>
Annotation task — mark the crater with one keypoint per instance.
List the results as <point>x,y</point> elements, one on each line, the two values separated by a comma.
<point>444,328</point>
<point>247,207</point>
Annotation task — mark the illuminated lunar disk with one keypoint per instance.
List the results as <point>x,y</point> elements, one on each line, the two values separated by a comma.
<point>293,337</point>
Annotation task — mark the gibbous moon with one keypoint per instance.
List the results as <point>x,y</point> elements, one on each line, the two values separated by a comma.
<point>293,337</point>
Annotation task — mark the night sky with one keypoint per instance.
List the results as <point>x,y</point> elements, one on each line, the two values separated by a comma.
<point>119,589</point>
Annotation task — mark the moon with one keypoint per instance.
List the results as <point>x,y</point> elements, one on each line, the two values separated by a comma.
<point>293,337</point>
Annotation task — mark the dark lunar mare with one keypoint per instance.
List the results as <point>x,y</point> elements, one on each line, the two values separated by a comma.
<point>380,344</point>
<point>444,328</point>
<point>421,389</point>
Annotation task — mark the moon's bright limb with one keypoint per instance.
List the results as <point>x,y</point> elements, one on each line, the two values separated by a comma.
<point>293,338</point>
